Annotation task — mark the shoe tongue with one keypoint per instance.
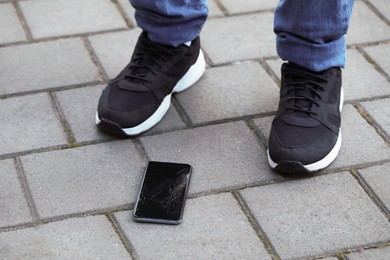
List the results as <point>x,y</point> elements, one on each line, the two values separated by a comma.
<point>304,102</point>
<point>305,92</point>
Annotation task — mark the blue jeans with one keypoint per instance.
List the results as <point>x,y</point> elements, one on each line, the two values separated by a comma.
<point>310,33</point>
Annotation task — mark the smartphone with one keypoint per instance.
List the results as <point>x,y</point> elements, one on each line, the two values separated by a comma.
<point>163,193</point>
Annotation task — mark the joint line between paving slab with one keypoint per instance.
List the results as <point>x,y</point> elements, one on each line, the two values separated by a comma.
<point>221,7</point>
<point>120,232</point>
<point>124,15</point>
<point>370,192</point>
<point>372,122</point>
<point>182,113</point>
<point>44,221</point>
<point>377,12</point>
<point>256,226</point>
<point>61,116</point>
<point>270,72</point>
<point>373,62</point>
<point>53,89</point>
<point>95,60</point>
<point>141,149</point>
<point>258,134</point>
<point>26,189</point>
<point>22,20</point>
<point>340,254</point>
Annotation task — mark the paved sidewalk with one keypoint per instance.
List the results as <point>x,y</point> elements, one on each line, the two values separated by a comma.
<point>67,190</point>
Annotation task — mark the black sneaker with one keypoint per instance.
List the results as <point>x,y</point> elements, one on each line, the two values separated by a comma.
<point>140,95</point>
<point>305,134</point>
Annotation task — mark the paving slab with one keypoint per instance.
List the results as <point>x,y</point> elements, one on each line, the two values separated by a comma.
<point>78,238</point>
<point>232,7</point>
<point>380,54</point>
<point>380,111</point>
<point>366,26</point>
<point>309,217</point>
<point>94,177</point>
<point>222,94</point>
<point>353,151</point>
<point>14,207</point>
<point>361,79</point>
<point>45,65</point>
<point>28,123</point>
<point>68,17</point>
<point>10,27</point>
<point>228,39</point>
<point>378,178</point>
<point>213,227</point>
<point>383,7</point>
<point>358,77</point>
<point>80,105</point>
<point>264,125</point>
<point>370,254</point>
<point>114,50</point>
<point>223,156</point>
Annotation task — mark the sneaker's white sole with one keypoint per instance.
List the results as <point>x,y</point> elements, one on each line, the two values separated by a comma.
<point>328,159</point>
<point>190,78</point>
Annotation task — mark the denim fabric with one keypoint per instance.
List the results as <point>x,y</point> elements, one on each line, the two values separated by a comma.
<point>310,33</point>
<point>171,22</point>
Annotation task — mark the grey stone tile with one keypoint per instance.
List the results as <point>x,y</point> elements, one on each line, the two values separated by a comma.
<point>378,179</point>
<point>309,217</point>
<point>129,11</point>
<point>228,39</point>
<point>79,106</point>
<point>353,151</point>
<point>370,254</point>
<point>45,65</point>
<point>380,54</point>
<point>202,235</point>
<point>230,91</point>
<point>264,126</point>
<point>366,26</point>
<point>358,77</point>
<point>78,238</point>
<point>223,156</point>
<point>114,50</point>
<point>28,123</point>
<point>248,6</point>
<point>14,208</point>
<point>380,111</point>
<point>10,28</point>
<point>83,179</point>
<point>67,17</point>
<point>275,66</point>
<point>383,7</point>
<point>214,10</point>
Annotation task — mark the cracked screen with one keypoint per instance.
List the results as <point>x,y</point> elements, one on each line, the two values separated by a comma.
<point>163,192</point>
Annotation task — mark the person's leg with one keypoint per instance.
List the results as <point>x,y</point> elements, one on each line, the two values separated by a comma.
<point>171,22</point>
<point>305,134</point>
<point>312,33</point>
<point>167,59</point>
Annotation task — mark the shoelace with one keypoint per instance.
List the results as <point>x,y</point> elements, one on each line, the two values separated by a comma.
<point>148,58</point>
<point>304,90</point>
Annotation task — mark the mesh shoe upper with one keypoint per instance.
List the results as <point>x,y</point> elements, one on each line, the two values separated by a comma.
<point>153,71</point>
<point>306,126</point>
